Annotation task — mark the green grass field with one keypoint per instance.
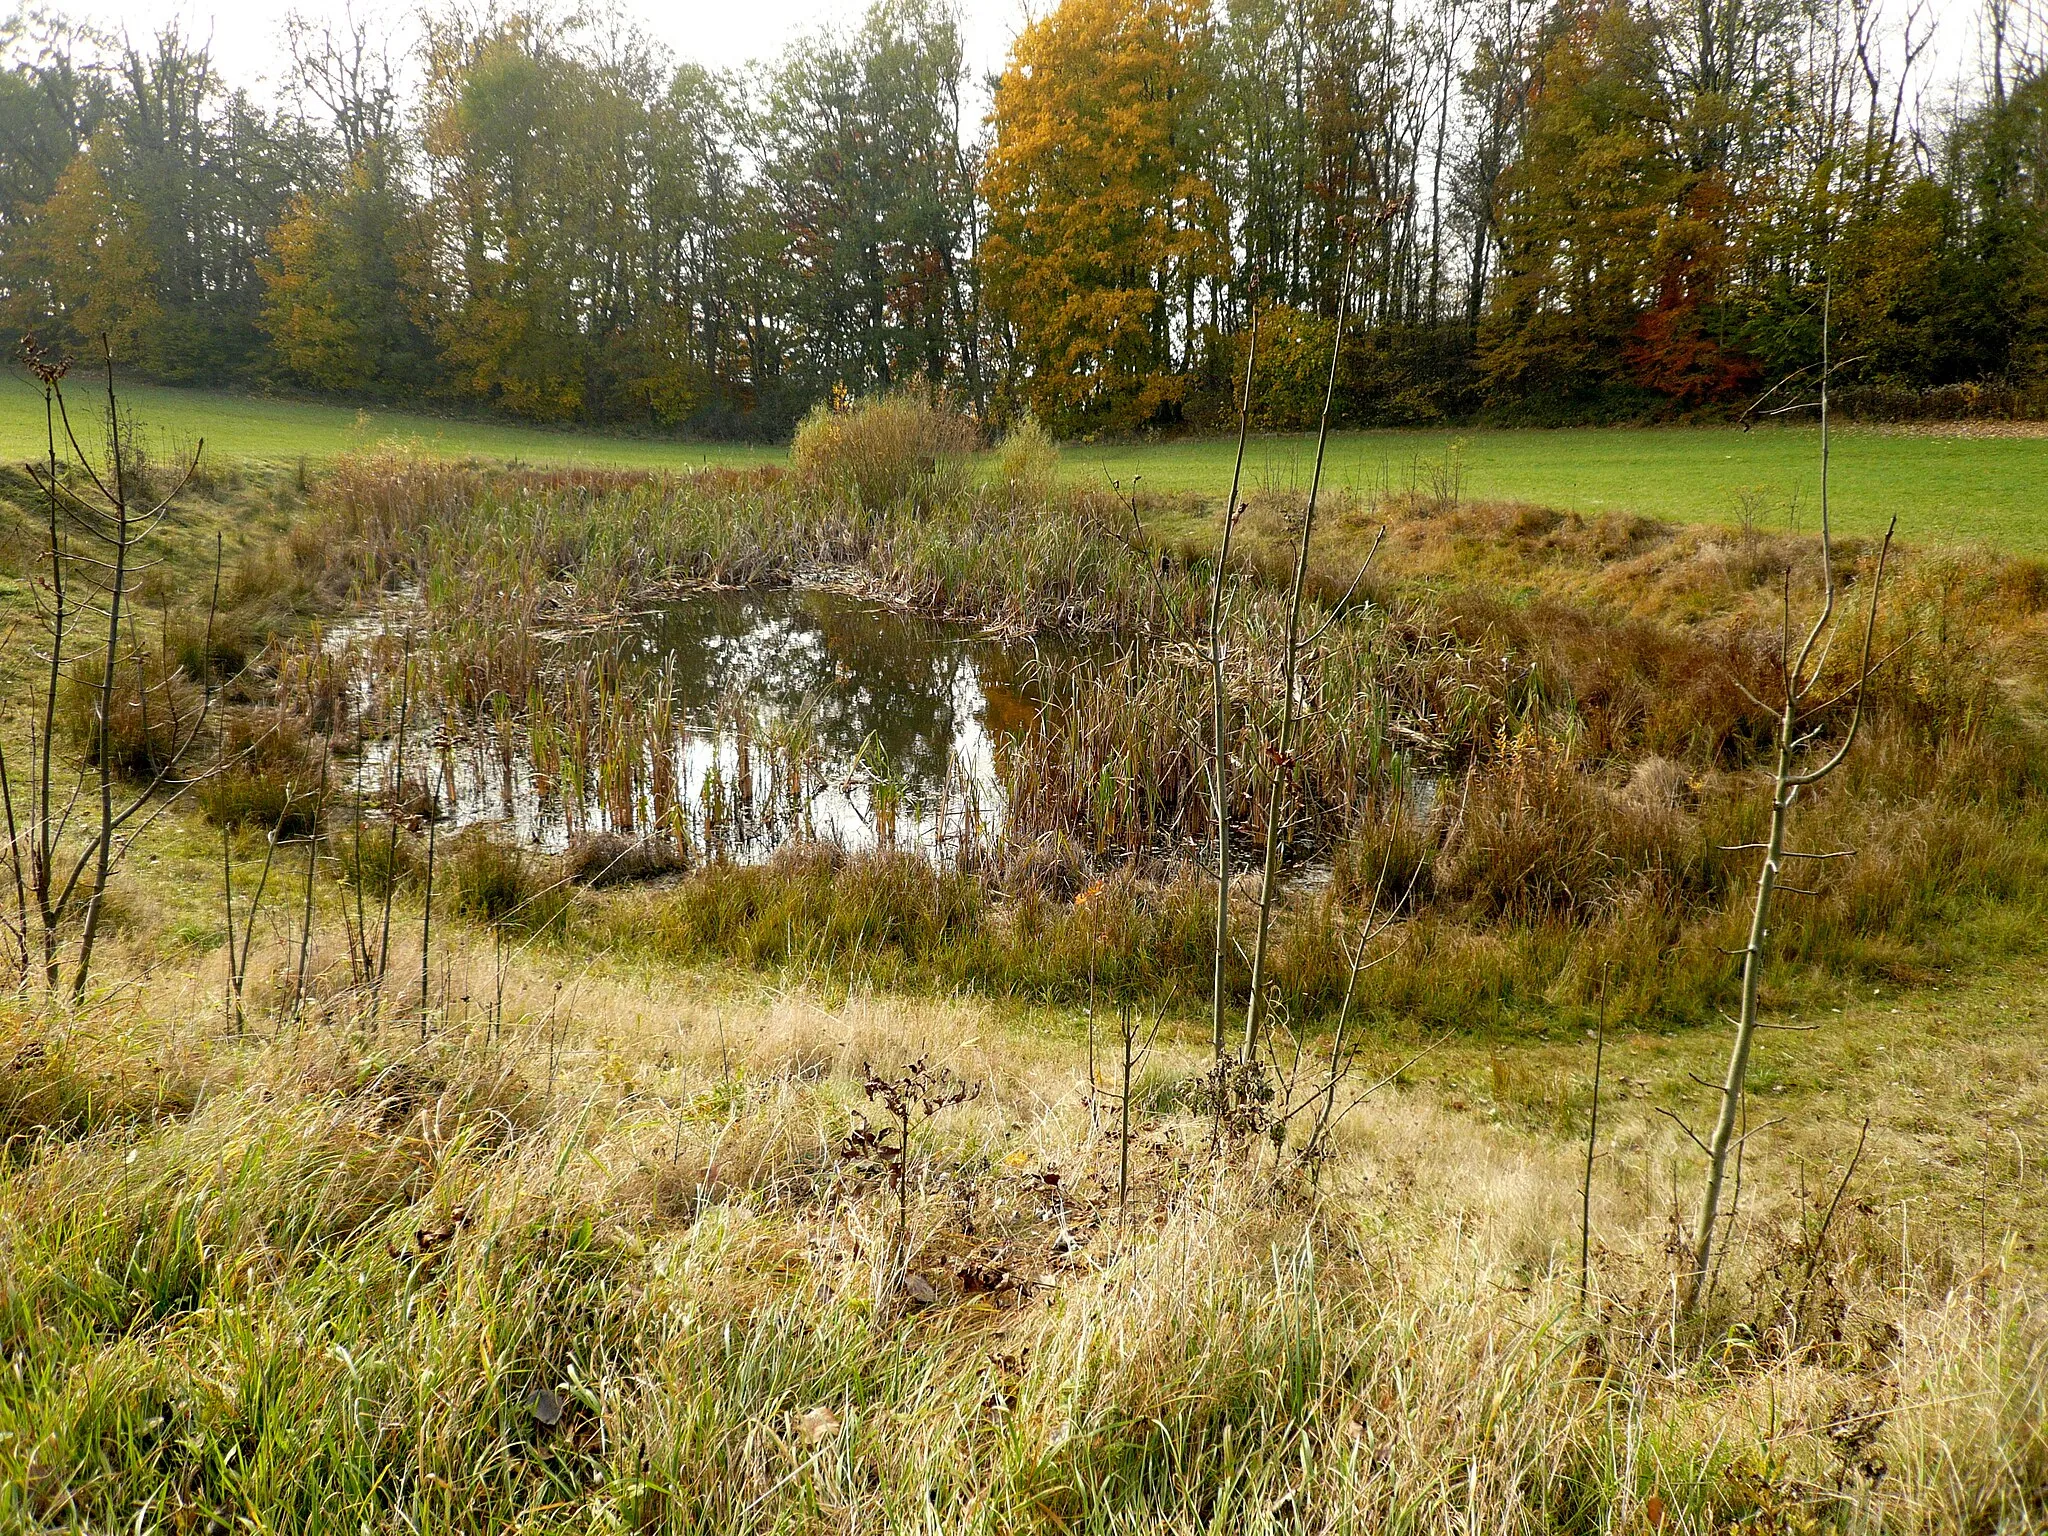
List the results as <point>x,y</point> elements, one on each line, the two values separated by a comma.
<point>249,427</point>
<point>1942,487</point>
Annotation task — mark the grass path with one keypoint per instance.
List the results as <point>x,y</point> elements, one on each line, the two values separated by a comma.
<point>1944,487</point>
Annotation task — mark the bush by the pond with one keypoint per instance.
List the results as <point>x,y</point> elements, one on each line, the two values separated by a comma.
<point>611,858</point>
<point>483,877</point>
<point>269,775</point>
<point>885,449</point>
<point>1026,461</point>
<point>154,711</point>
<point>376,857</point>
<point>1537,838</point>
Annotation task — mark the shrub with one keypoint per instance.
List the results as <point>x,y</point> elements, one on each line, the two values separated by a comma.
<point>271,778</point>
<point>484,877</point>
<point>217,652</point>
<point>1027,460</point>
<point>1538,840</point>
<point>885,450</point>
<point>47,1089</point>
<point>373,859</point>
<point>607,858</point>
<point>154,711</point>
<point>1386,857</point>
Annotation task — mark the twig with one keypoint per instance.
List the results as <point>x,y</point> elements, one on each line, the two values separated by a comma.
<point>1592,1142</point>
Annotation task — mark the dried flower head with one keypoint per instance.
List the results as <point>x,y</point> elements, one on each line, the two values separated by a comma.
<point>45,365</point>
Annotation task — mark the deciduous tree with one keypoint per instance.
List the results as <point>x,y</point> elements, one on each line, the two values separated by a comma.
<point>1103,229</point>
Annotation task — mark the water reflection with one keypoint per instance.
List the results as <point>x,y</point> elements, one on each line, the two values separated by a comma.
<point>741,719</point>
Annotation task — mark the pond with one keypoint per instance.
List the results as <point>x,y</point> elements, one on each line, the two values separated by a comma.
<point>723,723</point>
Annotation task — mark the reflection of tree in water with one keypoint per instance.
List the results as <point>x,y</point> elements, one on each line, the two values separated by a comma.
<point>853,672</point>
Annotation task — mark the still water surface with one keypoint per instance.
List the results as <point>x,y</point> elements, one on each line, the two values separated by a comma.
<point>757,716</point>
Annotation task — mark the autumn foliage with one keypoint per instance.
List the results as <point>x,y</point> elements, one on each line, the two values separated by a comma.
<point>1102,229</point>
<point>1545,210</point>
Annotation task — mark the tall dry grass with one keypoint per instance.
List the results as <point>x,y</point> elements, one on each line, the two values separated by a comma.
<point>612,1258</point>
<point>885,450</point>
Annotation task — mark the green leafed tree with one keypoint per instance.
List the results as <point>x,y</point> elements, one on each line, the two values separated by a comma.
<point>342,309</point>
<point>872,200</point>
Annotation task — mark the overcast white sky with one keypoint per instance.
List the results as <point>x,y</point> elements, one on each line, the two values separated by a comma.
<point>248,37</point>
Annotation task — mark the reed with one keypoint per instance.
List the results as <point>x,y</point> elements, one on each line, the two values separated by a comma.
<point>1570,764</point>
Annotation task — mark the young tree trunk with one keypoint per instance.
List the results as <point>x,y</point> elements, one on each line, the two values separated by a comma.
<point>1219,694</point>
<point>44,846</point>
<point>1799,675</point>
<point>1783,792</point>
<point>1283,767</point>
<point>117,586</point>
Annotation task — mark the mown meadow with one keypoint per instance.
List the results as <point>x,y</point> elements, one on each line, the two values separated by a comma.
<point>380,1174</point>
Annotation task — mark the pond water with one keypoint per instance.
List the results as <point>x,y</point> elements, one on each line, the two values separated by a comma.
<point>750,717</point>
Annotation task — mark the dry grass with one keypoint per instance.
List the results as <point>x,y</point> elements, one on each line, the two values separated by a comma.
<point>613,1254</point>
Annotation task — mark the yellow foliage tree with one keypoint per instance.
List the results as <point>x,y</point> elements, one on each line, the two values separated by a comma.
<point>313,339</point>
<point>338,295</point>
<point>1103,228</point>
<point>98,272</point>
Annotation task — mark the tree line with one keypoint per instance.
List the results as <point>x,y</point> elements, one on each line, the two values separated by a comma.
<point>1526,210</point>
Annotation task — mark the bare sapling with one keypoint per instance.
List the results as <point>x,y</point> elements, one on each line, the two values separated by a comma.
<point>1592,1148</point>
<point>17,925</point>
<point>1283,748</point>
<point>71,826</point>
<point>1816,1248</point>
<point>1800,765</point>
<point>1132,1055</point>
<point>359,930</point>
<point>1219,705</point>
<point>427,934</point>
<point>1362,954</point>
<point>312,870</point>
<point>391,811</point>
<point>238,954</point>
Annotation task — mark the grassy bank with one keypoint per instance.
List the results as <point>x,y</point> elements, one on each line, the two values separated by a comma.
<point>616,1254</point>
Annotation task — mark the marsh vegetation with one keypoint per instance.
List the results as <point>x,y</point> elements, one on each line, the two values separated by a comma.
<point>685,1000</point>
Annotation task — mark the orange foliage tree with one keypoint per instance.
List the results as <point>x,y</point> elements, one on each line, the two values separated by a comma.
<point>1104,233</point>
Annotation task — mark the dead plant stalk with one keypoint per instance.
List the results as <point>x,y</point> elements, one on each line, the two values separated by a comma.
<point>1219,693</point>
<point>1283,761</point>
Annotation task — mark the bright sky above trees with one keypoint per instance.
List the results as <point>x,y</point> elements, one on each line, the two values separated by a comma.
<point>248,35</point>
